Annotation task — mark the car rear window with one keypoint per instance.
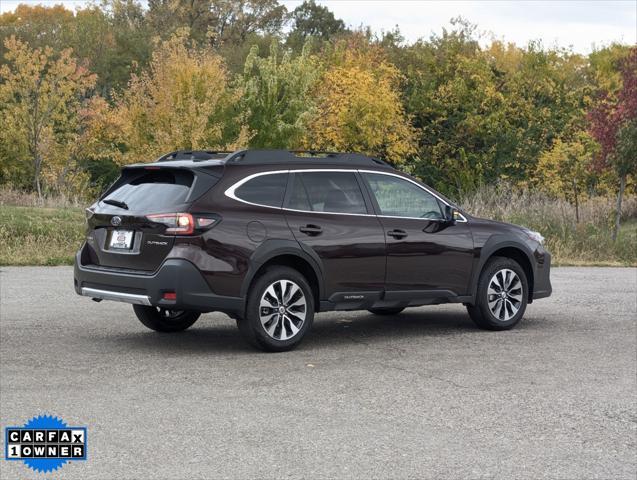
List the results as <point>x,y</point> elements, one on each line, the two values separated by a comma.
<point>155,190</point>
<point>267,189</point>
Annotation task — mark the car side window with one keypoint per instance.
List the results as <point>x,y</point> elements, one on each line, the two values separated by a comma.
<point>268,189</point>
<point>397,197</point>
<point>334,192</point>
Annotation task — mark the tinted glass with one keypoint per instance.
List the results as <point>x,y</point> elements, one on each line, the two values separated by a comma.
<point>154,190</point>
<point>335,192</point>
<point>299,199</point>
<point>266,189</point>
<point>400,198</point>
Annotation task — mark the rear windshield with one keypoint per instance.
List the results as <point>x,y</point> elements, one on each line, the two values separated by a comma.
<point>154,190</point>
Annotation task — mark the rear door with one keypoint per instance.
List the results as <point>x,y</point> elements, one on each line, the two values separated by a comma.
<point>121,235</point>
<point>328,214</point>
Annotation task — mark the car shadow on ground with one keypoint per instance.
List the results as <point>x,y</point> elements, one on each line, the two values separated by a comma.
<point>331,329</point>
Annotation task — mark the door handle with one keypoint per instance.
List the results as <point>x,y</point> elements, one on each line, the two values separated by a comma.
<point>397,234</point>
<point>311,230</point>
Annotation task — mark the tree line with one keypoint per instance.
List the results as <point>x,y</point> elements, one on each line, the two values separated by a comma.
<point>84,92</point>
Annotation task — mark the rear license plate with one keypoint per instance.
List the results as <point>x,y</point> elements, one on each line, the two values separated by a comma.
<point>122,239</point>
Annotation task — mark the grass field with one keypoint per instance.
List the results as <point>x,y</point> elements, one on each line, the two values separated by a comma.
<point>51,235</point>
<point>40,235</point>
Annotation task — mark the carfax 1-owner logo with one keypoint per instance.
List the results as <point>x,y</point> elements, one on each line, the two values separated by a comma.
<point>45,443</point>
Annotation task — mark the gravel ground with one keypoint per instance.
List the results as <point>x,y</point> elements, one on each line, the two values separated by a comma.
<point>423,394</point>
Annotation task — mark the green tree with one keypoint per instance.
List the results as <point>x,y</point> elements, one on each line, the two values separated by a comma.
<point>276,96</point>
<point>312,20</point>
<point>486,114</point>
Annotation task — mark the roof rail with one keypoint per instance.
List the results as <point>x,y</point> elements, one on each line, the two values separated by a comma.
<point>193,155</point>
<point>249,157</point>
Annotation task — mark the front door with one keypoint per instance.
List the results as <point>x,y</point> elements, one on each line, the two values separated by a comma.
<point>327,213</point>
<point>426,255</point>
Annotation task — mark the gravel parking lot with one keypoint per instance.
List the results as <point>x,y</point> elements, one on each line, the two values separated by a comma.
<point>423,394</point>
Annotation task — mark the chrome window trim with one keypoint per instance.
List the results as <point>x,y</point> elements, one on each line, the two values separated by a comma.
<point>231,192</point>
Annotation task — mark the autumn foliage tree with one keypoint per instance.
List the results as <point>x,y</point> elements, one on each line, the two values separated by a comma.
<point>612,124</point>
<point>564,170</point>
<point>182,101</point>
<point>41,97</point>
<point>359,109</point>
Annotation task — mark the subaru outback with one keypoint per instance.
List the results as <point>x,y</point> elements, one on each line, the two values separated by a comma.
<point>271,237</point>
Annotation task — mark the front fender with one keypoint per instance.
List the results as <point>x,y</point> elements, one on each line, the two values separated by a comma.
<point>493,244</point>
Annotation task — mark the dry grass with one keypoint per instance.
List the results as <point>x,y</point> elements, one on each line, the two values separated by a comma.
<point>20,198</point>
<point>585,243</point>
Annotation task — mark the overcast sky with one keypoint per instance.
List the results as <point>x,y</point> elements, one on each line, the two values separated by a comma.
<point>577,24</point>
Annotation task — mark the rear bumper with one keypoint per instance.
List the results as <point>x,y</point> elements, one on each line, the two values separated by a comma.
<point>174,275</point>
<point>542,283</point>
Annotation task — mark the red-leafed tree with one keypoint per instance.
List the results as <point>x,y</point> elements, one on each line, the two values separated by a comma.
<point>613,123</point>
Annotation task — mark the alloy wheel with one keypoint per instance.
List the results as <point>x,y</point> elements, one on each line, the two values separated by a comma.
<point>504,294</point>
<point>282,309</point>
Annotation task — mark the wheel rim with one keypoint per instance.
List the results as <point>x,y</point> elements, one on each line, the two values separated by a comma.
<point>505,294</point>
<point>282,310</point>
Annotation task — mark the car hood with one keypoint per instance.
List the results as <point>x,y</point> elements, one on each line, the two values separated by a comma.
<point>497,225</point>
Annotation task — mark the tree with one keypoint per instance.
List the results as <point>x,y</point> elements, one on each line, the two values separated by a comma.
<point>312,20</point>
<point>216,22</point>
<point>182,101</point>
<point>358,109</point>
<point>612,124</point>
<point>276,96</point>
<point>125,45</point>
<point>457,110</point>
<point>564,170</point>
<point>37,25</point>
<point>486,114</point>
<point>109,38</point>
<point>40,100</point>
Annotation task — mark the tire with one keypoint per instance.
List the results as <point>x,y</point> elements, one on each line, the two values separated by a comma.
<point>506,308</point>
<point>386,311</point>
<point>165,320</point>
<point>267,327</point>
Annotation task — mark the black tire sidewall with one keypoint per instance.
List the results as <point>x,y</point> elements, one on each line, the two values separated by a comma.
<point>251,326</point>
<point>482,301</point>
<point>150,317</point>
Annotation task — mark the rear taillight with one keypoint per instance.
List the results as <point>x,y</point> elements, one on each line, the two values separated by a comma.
<point>177,223</point>
<point>183,223</point>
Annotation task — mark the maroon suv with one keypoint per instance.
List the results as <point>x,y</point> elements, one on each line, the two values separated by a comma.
<point>270,237</point>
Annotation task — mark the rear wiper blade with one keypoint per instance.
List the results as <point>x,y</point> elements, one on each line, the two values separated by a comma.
<point>117,203</point>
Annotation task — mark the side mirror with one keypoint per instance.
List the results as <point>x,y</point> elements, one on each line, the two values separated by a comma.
<point>451,214</point>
